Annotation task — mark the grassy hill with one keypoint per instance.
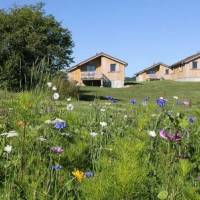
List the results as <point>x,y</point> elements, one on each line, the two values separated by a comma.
<point>154,89</point>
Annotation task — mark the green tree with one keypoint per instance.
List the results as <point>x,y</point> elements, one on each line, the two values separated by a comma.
<point>31,43</point>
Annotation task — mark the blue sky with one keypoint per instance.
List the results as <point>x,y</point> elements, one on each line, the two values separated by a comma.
<point>140,32</point>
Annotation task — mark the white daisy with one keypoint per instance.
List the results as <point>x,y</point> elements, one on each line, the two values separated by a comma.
<point>56,96</point>
<point>103,110</point>
<point>69,99</point>
<point>54,88</point>
<point>10,134</point>
<point>175,97</point>
<point>152,133</point>
<point>42,139</point>
<point>8,149</point>
<point>93,134</point>
<point>49,84</point>
<point>70,107</point>
<point>103,124</point>
<point>125,116</point>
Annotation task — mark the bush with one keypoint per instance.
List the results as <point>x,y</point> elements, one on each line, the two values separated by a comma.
<point>65,87</point>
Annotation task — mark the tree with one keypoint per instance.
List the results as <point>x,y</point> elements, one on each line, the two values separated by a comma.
<point>31,41</point>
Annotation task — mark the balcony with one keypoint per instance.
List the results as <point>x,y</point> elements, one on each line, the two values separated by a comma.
<point>153,76</point>
<point>91,75</point>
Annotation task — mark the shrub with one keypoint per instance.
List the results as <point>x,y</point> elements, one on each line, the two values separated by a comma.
<point>65,87</point>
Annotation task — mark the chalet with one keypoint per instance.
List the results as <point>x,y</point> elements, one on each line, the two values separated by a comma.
<point>187,69</point>
<point>156,71</point>
<point>99,70</point>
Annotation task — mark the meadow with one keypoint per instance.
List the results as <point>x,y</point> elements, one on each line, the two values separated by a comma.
<point>139,142</point>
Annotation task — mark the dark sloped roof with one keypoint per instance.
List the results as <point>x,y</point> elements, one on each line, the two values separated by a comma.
<point>96,56</point>
<point>186,60</point>
<point>151,67</point>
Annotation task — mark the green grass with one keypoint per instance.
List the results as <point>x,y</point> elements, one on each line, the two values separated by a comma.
<point>154,89</point>
<point>126,161</point>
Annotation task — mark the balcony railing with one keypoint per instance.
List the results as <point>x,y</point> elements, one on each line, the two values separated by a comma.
<point>91,75</point>
<point>153,76</point>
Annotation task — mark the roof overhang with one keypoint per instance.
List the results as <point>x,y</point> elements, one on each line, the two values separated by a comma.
<point>97,56</point>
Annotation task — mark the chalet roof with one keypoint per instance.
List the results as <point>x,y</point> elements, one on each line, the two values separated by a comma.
<point>96,56</point>
<point>152,67</point>
<point>186,60</point>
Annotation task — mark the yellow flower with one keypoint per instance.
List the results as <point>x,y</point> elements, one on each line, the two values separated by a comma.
<point>79,175</point>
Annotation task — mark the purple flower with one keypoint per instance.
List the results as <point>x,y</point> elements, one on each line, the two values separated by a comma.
<point>57,150</point>
<point>133,101</point>
<point>173,138</point>
<point>186,103</point>
<point>56,167</point>
<point>109,98</point>
<point>89,174</point>
<point>161,102</point>
<point>114,101</point>
<point>191,119</point>
<point>163,134</point>
<point>60,125</point>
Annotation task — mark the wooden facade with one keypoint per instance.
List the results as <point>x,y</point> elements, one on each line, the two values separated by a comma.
<point>187,69</point>
<point>99,70</point>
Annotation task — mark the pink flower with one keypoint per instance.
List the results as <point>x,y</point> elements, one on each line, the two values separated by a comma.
<point>57,150</point>
<point>173,138</point>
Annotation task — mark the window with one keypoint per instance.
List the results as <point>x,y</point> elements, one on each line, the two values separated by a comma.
<point>112,67</point>
<point>194,65</point>
<point>151,71</point>
<point>167,71</point>
<point>91,68</point>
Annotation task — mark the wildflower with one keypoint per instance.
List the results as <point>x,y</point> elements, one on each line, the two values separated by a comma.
<point>8,149</point>
<point>42,139</point>
<point>103,124</point>
<point>191,119</point>
<point>79,175</point>
<point>133,101</point>
<point>175,138</point>
<point>103,110</point>
<point>114,101</point>
<point>20,123</point>
<point>125,116</point>
<point>70,107</point>
<point>49,84</point>
<point>161,102</point>
<point>109,98</point>
<point>93,134</point>
<point>60,125</point>
<point>175,97</point>
<point>186,103</point>
<point>56,167</point>
<point>56,96</point>
<point>163,134</point>
<point>152,133</point>
<point>89,174</point>
<point>10,134</point>
<point>54,88</point>
<point>57,150</point>
<point>69,99</point>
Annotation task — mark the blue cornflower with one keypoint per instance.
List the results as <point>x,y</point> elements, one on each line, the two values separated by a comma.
<point>191,119</point>
<point>161,102</point>
<point>56,167</point>
<point>60,125</point>
<point>109,98</point>
<point>114,101</point>
<point>133,101</point>
<point>89,174</point>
